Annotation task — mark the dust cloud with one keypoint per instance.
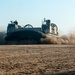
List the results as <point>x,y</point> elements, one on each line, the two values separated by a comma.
<point>2,36</point>
<point>65,39</point>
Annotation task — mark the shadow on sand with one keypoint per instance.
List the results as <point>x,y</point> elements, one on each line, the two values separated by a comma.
<point>65,73</point>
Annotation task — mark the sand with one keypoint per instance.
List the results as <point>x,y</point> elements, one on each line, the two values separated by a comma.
<point>37,59</point>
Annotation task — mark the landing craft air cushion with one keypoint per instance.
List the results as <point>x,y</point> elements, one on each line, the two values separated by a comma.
<point>17,34</point>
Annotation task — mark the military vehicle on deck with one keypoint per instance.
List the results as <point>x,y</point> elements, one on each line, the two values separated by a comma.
<point>29,34</point>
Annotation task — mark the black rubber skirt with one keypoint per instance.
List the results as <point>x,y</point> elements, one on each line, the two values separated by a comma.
<point>25,35</point>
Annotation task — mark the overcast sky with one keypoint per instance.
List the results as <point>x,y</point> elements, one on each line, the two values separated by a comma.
<point>60,12</point>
